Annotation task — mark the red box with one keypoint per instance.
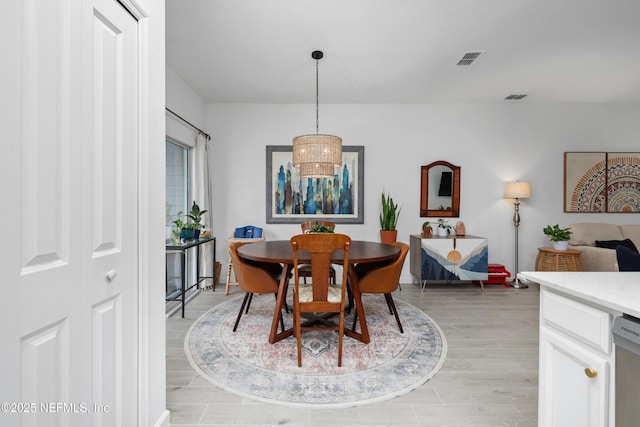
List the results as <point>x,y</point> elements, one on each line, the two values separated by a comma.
<point>498,275</point>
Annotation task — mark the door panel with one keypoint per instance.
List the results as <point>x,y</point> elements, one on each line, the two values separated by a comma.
<point>109,255</point>
<point>70,284</point>
<point>567,395</point>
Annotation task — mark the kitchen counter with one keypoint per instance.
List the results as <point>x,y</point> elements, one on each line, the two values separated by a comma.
<point>614,290</point>
<point>577,354</point>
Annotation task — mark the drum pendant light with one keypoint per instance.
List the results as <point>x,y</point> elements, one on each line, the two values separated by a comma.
<point>317,155</point>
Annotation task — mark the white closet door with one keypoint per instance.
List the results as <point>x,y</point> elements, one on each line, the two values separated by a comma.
<point>69,276</point>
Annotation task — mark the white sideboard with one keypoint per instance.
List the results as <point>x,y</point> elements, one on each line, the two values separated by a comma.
<point>577,355</point>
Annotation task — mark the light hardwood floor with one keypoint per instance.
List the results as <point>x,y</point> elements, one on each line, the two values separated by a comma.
<point>489,377</point>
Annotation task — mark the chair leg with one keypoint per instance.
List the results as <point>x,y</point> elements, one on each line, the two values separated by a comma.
<point>297,332</point>
<point>244,301</point>
<point>340,336</point>
<point>390,302</point>
<point>249,302</point>
<point>286,306</point>
<point>350,298</point>
<point>281,320</point>
<point>355,320</point>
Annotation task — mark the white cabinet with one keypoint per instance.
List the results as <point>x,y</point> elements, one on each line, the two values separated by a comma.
<point>576,363</point>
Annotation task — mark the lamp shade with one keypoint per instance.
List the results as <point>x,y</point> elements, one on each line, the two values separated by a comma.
<point>517,190</point>
<point>317,155</point>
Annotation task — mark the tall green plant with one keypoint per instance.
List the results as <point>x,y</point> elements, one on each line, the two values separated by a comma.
<point>390,213</point>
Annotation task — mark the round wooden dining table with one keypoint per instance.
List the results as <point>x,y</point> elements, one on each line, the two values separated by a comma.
<point>280,251</point>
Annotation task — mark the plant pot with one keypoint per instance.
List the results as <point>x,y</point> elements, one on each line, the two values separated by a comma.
<point>442,232</point>
<point>187,233</point>
<point>561,246</point>
<point>388,236</point>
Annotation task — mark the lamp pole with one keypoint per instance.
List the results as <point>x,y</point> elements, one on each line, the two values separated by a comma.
<point>516,222</point>
<point>517,190</point>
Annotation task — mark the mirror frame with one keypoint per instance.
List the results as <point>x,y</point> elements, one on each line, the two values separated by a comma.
<point>424,191</point>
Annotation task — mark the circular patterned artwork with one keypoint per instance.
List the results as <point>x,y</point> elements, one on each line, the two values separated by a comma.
<point>609,188</point>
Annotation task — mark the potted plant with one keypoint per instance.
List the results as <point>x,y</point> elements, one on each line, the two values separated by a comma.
<point>184,230</point>
<point>444,229</point>
<point>388,219</point>
<point>196,216</point>
<point>559,236</point>
<point>320,228</point>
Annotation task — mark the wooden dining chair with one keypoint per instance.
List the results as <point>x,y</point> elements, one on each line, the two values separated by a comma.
<point>304,270</point>
<point>253,278</point>
<point>382,278</point>
<point>320,296</point>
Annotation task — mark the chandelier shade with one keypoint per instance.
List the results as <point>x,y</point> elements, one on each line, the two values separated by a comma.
<point>317,155</point>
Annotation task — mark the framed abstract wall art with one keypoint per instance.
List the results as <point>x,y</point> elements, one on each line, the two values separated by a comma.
<point>601,182</point>
<point>293,199</point>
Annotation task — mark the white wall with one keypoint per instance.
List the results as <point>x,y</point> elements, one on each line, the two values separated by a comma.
<point>493,144</point>
<point>182,100</point>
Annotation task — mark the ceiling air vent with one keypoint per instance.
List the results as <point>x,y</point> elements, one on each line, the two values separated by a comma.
<point>469,57</point>
<point>516,97</point>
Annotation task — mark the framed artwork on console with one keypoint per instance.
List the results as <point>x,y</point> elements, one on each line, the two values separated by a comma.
<point>293,199</point>
<point>604,182</point>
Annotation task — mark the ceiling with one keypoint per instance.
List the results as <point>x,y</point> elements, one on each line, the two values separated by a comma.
<point>406,51</point>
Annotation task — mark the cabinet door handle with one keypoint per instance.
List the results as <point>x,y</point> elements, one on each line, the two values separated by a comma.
<point>591,373</point>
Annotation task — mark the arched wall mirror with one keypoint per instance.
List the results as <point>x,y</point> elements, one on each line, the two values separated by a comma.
<point>440,190</point>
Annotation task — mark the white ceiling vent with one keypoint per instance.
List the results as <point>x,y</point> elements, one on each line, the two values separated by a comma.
<point>469,57</point>
<point>516,97</point>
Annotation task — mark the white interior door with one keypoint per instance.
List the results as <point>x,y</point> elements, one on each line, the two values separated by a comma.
<point>69,277</point>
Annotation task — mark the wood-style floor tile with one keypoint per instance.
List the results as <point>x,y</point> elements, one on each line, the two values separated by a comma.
<point>489,378</point>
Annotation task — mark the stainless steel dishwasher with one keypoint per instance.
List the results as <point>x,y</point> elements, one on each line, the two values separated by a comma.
<point>626,337</point>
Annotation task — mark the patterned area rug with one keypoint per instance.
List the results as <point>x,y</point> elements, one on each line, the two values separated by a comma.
<point>244,363</point>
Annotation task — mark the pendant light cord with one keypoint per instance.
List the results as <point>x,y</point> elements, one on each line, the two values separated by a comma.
<point>317,91</point>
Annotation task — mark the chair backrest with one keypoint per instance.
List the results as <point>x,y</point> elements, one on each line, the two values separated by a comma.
<point>384,279</point>
<point>251,278</point>
<point>320,247</point>
<point>306,226</point>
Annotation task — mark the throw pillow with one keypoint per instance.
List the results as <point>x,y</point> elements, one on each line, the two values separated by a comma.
<point>627,259</point>
<point>612,244</point>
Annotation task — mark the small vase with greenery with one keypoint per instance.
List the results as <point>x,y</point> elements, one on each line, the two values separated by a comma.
<point>444,229</point>
<point>389,219</point>
<point>559,236</point>
<point>320,228</point>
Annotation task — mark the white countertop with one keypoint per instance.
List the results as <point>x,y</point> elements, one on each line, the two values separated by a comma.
<point>617,291</point>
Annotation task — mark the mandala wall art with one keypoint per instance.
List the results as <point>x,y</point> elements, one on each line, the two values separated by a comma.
<point>601,182</point>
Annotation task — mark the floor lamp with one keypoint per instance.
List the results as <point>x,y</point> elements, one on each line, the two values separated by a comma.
<point>517,190</point>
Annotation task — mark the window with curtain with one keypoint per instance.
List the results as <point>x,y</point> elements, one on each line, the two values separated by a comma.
<point>177,200</point>
<point>177,182</point>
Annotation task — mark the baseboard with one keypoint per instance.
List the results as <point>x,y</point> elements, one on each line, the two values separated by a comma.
<point>164,420</point>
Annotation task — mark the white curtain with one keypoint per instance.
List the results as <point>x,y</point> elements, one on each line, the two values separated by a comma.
<point>202,196</point>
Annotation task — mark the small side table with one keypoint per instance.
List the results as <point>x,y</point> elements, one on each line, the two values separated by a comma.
<point>230,266</point>
<point>550,259</point>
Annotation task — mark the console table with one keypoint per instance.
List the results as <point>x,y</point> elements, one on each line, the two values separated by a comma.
<point>182,250</point>
<point>449,258</point>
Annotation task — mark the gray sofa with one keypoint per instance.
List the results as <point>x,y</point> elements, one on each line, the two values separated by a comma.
<point>584,236</point>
